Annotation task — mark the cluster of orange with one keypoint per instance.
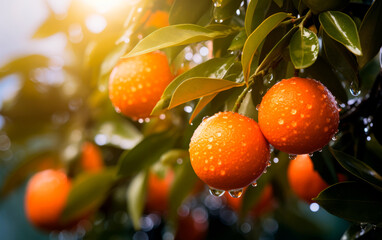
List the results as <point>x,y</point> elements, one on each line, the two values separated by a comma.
<point>230,151</point>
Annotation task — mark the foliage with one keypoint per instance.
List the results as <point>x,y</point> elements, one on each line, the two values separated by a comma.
<point>251,47</point>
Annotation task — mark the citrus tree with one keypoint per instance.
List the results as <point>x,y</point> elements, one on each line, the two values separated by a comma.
<point>160,107</point>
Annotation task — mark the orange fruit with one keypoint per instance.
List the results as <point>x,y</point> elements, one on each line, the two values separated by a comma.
<point>158,19</point>
<point>298,115</point>
<point>228,151</point>
<point>158,191</point>
<point>137,83</point>
<point>192,225</point>
<point>265,203</point>
<point>91,158</point>
<point>305,182</point>
<point>45,199</point>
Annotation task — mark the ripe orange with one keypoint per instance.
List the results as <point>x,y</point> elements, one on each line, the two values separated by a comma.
<point>137,83</point>
<point>192,225</point>
<point>158,192</point>
<point>265,203</point>
<point>158,19</point>
<point>45,198</point>
<point>228,151</point>
<point>303,179</point>
<point>91,158</point>
<point>298,115</point>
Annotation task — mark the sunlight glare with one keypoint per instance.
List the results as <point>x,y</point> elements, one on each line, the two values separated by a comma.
<point>103,6</point>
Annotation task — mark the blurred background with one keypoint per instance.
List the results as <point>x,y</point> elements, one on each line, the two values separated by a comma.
<point>55,58</point>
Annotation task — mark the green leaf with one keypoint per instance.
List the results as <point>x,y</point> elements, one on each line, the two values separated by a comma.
<point>88,192</point>
<point>276,52</point>
<point>201,104</point>
<point>323,72</point>
<point>216,67</point>
<point>24,65</point>
<point>238,41</point>
<point>255,14</point>
<point>323,162</point>
<point>185,11</point>
<point>171,157</point>
<point>136,195</point>
<point>358,168</point>
<point>256,38</point>
<point>370,33</point>
<point>341,59</point>
<point>303,48</point>
<point>194,88</point>
<point>148,151</point>
<point>352,201</point>
<point>115,129</point>
<point>341,28</point>
<point>182,186</point>
<point>279,3</point>
<point>181,34</point>
<point>226,10</point>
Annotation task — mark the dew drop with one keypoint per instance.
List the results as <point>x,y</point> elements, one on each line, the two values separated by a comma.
<point>216,192</point>
<point>334,138</point>
<point>294,124</point>
<point>311,154</point>
<point>281,121</point>
<point>354,89</point>
<point>217,3</point>
<point>219,134</point>
<point>257,107</point>
<point>309,106</point>
<point>205,118</point>
<point>265,171</point>
<point>254,184</point>
<point>210,139</point>
<point>269,163</point>
<point>293,111</point>
<point>141,120</point>
<point>236,193</point>
<point>292,156</point>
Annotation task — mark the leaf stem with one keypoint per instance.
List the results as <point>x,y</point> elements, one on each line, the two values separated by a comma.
<point>306,17</point>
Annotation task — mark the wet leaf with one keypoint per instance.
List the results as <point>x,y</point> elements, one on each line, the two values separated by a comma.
<point>256,38</point>
<point>358,168</point>
<point>370,33</point>
<point>195,88</point>
<point>352,201</point>
<point>303,48</point>
<point>238,41</point>
<point>136,197</point>
<point>355,231</point>
<point>341,28</point>
<point>226,10</point>
<point>255,14</point>
<point>177,35</point>
<point>148,151</point>
<point>323,72</point>
<point>216,67</point>
<point>88,192</point>
<point>185,11</point>
<point>341,59</point>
